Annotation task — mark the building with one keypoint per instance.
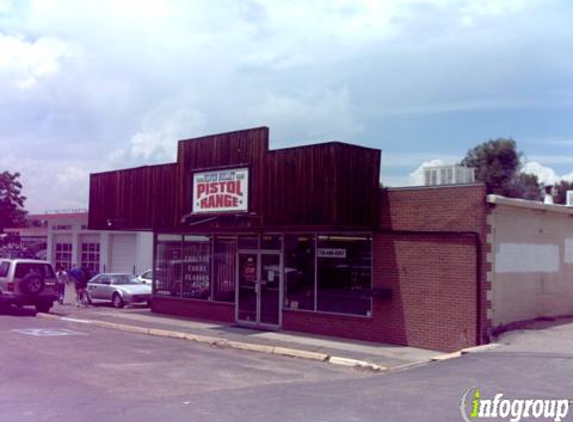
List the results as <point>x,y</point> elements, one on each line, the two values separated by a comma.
<point>25,242</point>
<point>305,239</point>
<point>448,175</point>
<point>532,260</point>
<point>66,240</point>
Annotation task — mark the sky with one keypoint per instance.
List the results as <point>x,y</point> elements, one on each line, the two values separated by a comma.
<point>90,86</point>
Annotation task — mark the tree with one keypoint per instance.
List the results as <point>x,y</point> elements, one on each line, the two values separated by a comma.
<point>12,211</point>
<point>559,191</point>
<point>525,186</point>
<point>498,165</point>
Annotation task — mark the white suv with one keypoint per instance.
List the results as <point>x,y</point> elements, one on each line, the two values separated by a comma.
<point>27,282</point>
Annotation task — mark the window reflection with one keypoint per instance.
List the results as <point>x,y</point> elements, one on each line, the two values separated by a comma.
<point>299,271</point>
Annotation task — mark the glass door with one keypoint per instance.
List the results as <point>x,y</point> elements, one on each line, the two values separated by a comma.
<point>270,288</point>
<point>248,297</point>
<point>259,284</point>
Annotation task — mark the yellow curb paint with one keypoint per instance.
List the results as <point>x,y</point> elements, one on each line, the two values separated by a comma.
<point>302,354</point>
<point>337,360</point>
<point>448,356</point>
<point>481,348</point>
<point>250,347</point>
<point>166,333</point>
<point>201,339</point>
<point>47,316</point>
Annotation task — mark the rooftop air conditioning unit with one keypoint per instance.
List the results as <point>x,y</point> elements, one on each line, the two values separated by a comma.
<point>448,175</point>
<point>569,198</point>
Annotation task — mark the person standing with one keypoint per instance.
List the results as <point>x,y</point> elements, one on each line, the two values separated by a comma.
<point>80,284</point>
<point>62,281</point>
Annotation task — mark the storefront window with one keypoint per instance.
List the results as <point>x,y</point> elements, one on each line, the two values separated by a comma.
<point>224,268</point>
<point>64,255</point>
<point>186,265</point>
<point>196,267</point>
<point>323,273</point>
<point>168,257</point>
<point>90,257</point>
<point>299,271</point>
<point>344,274</point>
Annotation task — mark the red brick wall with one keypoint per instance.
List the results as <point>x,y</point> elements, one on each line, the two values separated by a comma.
<point>433,277</point>
<point>450,208</point>
<point>460,208</point>
<point>214,311</point>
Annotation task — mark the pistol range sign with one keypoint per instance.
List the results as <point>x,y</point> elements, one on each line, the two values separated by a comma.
<point>221,191</point>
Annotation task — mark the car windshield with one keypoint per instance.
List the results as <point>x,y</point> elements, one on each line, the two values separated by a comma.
<point>124,279</point>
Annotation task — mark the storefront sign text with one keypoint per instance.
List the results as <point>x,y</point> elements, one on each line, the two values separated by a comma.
<point>331,252</point>
<point>221,191</point>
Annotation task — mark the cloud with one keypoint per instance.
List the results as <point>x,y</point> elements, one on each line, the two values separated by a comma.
<point>108,84</point>
<point>326,114</point>
<point>72,175</point>
<point>49,185</point>
<point>545,175</point>
<point>413,159</point>
<point>161,128</point>
<point>416,178</point>
<point>26,62</point>
<point>552,159</point>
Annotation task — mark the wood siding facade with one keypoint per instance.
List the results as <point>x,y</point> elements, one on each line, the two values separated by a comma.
<point>332,186</point>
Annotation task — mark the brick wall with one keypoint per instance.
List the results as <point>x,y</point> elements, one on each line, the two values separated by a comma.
<point>432,276</point>
<point>213,311</point>
<point>441,296</point>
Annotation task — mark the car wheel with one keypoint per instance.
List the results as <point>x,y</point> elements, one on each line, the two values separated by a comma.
<point>43,307</point>
<point>32,285</point>
<point>117,301</point>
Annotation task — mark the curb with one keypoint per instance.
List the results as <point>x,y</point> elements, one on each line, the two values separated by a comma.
<point>466,351</point>
<point>447,356</point>
<point>302,354</point>
<point>481,348</point>
<point>355,363</point>
<point>223,343</point>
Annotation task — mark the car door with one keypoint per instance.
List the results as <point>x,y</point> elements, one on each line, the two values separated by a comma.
<point>4,269</point>
<point>96,287</point>
<point>106,289</point>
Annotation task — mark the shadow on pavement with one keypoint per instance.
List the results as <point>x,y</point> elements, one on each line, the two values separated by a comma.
<point>535,324</point>
<point>18,311</point>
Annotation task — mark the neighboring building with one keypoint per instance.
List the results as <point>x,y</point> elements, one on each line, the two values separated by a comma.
<point>532,260</point>
<point>25,242</point>
<point>448,175</point>
<point>305,239</point>
<point>68,241</point>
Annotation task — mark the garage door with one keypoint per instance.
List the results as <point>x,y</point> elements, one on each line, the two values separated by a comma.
<point>122,253</point>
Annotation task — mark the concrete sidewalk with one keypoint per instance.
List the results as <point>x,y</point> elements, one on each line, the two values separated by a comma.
<point>370,356</point>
